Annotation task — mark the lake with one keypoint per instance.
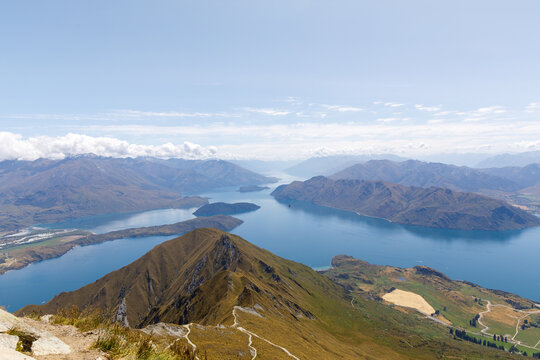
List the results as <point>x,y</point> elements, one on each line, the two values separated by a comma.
<point>305,233</point>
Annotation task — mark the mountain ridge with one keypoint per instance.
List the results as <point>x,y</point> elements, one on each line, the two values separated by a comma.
<point>432,207</point>
<point>45,190</point>
<point>427,174</point>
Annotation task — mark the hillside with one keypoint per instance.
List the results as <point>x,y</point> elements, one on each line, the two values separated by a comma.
<point>221,208</point>
<point>424,174</point>
<point>432,207</point>
<point>44,190</point>
<point>525,176</point>
<point>234,300</point>
<point>459,304</point>
<point>197,176</point>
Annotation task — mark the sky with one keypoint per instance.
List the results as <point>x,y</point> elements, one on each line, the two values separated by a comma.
<point>280,79</point>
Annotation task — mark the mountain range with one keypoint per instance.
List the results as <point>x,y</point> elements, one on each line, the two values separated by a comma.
<point>424,174</point>
<point>52,190</point>
<point>516,185</point>
<point>230,299</point>
<point>431,207</point>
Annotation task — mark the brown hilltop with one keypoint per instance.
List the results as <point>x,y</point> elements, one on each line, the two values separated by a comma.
<point>198,277</point>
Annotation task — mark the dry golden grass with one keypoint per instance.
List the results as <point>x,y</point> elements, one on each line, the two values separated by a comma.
<point>409,299</point>
<point>503,315</point>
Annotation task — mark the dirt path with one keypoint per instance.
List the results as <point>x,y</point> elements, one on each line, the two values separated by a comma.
<point>484,331</point>
<point>253,350</point>
<point>80,343</point>
<point>188,328</point>
<point>486,328</point>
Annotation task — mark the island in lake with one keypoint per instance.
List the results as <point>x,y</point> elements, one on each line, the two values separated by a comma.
<point>252,188</point>
<point>221,208</point>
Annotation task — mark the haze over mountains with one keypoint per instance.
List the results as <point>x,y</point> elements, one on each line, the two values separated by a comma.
<point>503,160</point>
<point>516,185</point>
<point>327,165</point>
<point>422,174</point>
<point>431,207</point>
<point>50,190</point>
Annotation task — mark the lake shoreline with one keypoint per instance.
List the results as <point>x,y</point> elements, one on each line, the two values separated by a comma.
<point>39,252</point>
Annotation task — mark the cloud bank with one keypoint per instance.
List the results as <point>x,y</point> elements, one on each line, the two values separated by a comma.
<point>16,147</point>
<point>288,129</point>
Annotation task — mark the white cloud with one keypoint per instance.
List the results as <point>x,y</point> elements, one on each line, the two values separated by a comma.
<point>391,104</point>
<point>268,111</point>
<point>15,147</point>
<point>341,108</point>
<point>427,108</point>
<point>532,107</point>
<point>491,110</point>
<point>167,114</point>
<point>122,114</point>
<point>282,140</point>
<point>387,120</point>
<point>267,132</point>
<point>445,113</point>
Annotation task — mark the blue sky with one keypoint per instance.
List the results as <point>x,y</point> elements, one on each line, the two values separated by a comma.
<point>268,79</point>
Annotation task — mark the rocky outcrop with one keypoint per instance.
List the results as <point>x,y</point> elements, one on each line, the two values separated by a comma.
<point>16,333</point>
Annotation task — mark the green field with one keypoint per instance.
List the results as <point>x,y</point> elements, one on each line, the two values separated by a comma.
<point>530,336</point>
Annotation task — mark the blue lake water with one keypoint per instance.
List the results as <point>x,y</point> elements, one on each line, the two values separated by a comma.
<point>305,233</point>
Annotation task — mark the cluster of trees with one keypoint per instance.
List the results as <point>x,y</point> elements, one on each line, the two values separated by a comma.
<point>462,334</point>
<point>474,321</point>
<point>527,324</point>
<point>477,300</point>
<point>536,355</point>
